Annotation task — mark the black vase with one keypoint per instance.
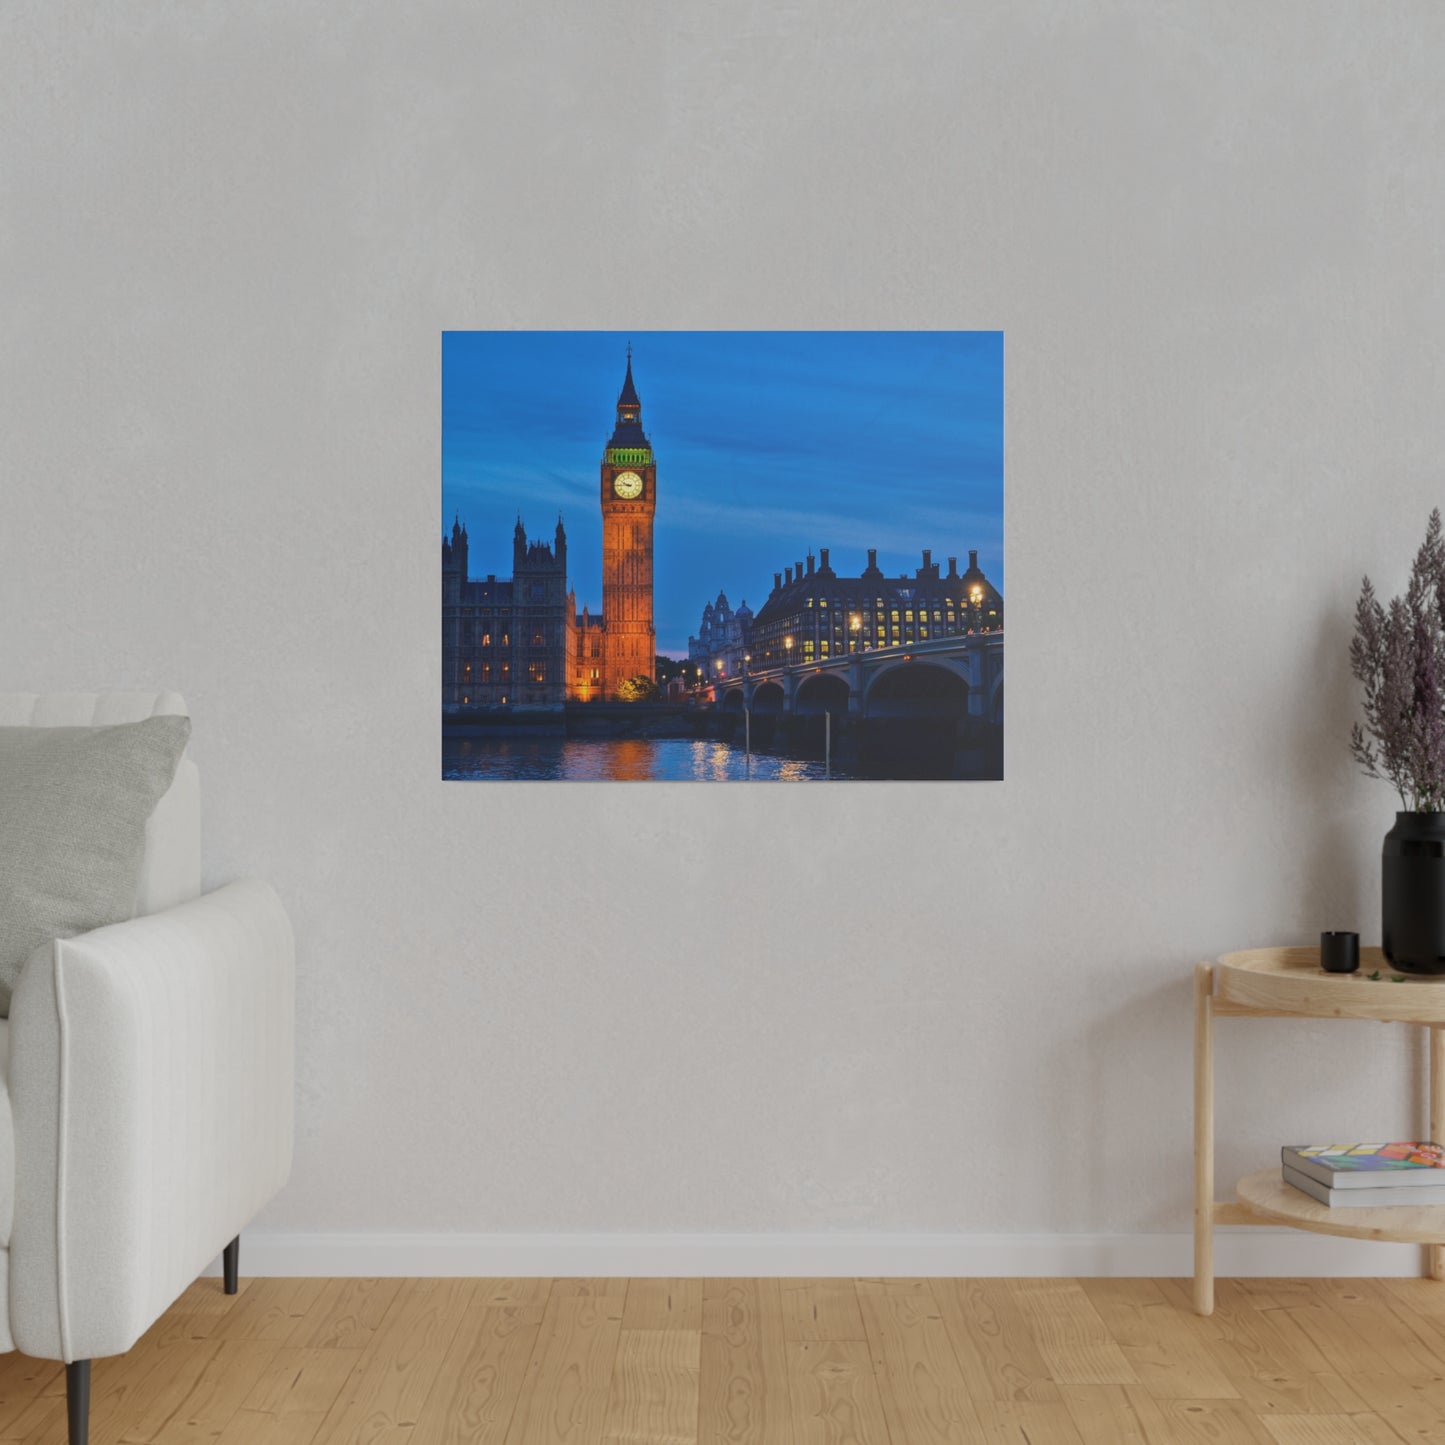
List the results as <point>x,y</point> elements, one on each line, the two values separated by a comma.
<point>1414,893</point>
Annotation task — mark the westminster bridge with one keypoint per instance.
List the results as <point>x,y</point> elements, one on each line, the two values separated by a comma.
<point>957,677</point>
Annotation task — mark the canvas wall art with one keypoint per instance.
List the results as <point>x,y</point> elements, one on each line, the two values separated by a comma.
<point>722,556</point>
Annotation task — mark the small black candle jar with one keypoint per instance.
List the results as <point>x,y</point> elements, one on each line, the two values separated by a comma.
<point>1340,952</point>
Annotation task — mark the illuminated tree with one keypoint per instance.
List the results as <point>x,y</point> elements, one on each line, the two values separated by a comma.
<point>638,689</point>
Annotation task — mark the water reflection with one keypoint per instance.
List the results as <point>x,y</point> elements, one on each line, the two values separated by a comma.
<point>620,760</point>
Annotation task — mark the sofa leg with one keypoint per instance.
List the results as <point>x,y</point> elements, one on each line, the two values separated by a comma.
<point>231,1264</point>
<point>77,1401</point>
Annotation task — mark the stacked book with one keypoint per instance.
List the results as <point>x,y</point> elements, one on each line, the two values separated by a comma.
<point>1367,1176</point>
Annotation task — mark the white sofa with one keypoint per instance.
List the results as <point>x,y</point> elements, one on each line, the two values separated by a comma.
<point>148,1071</point>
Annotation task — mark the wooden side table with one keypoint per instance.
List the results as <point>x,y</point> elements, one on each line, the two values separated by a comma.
<point>1289,983</point>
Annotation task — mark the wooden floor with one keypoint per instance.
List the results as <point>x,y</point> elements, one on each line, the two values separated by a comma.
<point>765,1362</point>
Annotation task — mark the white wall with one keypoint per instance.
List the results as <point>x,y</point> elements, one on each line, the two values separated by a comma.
<point>231,237</point>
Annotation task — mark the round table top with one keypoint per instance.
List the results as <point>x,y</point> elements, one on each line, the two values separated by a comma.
<point>1267,1195</point>
<point>1290,980</point>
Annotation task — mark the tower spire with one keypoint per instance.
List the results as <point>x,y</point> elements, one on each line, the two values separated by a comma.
<point>629,396</point>
<point>628,431</point>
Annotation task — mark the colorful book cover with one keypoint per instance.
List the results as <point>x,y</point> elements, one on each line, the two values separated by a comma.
<point>1366,1158</point>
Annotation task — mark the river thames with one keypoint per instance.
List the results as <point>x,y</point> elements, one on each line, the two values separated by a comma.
<point>664,760</point>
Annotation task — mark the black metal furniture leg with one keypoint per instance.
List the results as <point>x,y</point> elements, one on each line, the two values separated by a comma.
<point>77,1401</point>
<point>231,1264</point>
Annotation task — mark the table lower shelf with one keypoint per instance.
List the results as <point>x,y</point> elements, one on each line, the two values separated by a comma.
<point>1268,1197</point>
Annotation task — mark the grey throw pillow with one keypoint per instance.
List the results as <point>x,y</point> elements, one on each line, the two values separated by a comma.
<point>73,809</point>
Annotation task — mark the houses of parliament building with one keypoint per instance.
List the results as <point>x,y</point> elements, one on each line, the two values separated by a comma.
<point>520,641</point>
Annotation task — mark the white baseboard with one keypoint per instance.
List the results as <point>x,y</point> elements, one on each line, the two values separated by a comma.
<point>1243,1252</point>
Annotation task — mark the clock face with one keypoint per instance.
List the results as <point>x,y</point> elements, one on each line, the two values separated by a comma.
<point>627,485</point>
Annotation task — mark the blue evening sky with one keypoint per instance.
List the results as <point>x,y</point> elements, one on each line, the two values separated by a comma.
<point>769,445</point>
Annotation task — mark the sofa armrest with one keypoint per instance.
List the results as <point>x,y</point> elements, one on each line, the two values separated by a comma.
<point>151,1081</point>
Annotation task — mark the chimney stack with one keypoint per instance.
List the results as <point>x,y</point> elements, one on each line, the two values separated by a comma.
<point>798,572</point>
<point>953,567</point>
<point>810,564</point>
<point>823,557</point>
<point>777,581</point>
<point>973,560</point>
<point>788,573</point>
<point>873,559</point>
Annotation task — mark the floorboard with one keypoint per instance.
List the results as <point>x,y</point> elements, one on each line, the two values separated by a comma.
<point>764,1362</point>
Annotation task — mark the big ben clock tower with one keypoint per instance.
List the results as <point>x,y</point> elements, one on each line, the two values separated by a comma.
<point>629,499</point>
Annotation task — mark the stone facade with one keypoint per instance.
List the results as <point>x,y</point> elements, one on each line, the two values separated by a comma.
<point>825,613</point>
<point>507,642</point>
<point>724,639</point>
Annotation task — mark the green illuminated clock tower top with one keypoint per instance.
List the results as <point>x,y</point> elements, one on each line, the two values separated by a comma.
<point>628,446</point>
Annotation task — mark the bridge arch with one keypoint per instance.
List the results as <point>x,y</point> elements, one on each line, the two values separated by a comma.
<point>733,699</point>
<point>916,689</point>
<point>820,693</point>
<point>768,697</point>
